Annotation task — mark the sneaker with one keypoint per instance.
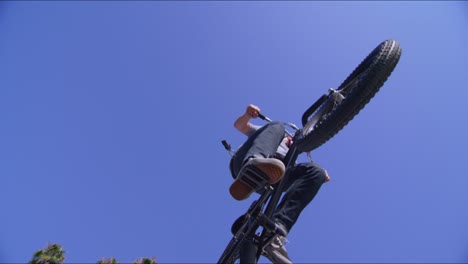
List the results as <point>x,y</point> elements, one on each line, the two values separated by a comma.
<point>276,251</point>
<point>270,170</point>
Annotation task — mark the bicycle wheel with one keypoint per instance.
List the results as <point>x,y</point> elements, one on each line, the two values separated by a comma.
<point>231,253</point>
<point>331,113</point>
<point>243,227</point>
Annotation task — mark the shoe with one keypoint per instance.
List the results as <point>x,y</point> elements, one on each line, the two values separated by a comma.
<point>276,251</point>
<point>256,173</point>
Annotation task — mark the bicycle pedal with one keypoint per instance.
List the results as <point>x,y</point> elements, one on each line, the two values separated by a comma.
<point>254,177</point>
<point>271,226</point>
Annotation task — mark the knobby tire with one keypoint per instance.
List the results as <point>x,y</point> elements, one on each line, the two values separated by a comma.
<point>358,88</point>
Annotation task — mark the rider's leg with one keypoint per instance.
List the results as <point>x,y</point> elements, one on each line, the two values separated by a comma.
<point>263,143</point>
<point>257,152</point>
<point>304,183</point>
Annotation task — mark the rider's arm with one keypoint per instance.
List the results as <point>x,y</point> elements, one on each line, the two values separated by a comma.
<point>242,123</point>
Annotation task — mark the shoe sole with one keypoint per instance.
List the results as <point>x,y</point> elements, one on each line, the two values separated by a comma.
<point>240,190</point>
<point>273,170</point>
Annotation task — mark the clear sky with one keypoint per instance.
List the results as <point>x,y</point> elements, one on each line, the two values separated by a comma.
<point>112,115</point>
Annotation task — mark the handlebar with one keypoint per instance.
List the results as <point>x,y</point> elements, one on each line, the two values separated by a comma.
<point>226,145</point>
<point>264,117</point>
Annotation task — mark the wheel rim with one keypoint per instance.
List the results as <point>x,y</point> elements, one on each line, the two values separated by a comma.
<point>317,117</point>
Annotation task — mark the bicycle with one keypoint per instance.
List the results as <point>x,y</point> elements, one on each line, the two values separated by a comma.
<point>323,120</point>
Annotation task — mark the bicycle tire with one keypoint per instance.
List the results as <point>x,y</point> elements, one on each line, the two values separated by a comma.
<point>229,256</point>
<point>359,88</point>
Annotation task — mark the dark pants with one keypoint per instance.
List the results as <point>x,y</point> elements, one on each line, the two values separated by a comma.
<point>304,179</point>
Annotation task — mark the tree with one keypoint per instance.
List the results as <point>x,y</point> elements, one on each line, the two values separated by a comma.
<point>145,261</point>
<point>52,254</point>
<point>112,260</point>
<point>138,261</point>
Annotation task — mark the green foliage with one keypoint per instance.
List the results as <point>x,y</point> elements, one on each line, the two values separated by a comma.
<point>138,261</point>
<point>145,261</point>
<point>52,254</point>
<point>112,260</point>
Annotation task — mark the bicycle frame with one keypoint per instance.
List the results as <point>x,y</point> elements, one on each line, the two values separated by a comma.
<point>259,214</point>
<point>325,118</point>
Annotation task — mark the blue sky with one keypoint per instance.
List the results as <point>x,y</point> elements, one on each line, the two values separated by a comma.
<point>112,115</point>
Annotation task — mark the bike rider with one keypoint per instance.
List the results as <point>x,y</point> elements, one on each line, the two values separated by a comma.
<point>265,149</point>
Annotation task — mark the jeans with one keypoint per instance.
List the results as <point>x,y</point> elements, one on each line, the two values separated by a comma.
<point>304,179</point>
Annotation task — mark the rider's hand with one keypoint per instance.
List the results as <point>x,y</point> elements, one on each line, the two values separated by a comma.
<point>252,111</point>
<point>327,177</point>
